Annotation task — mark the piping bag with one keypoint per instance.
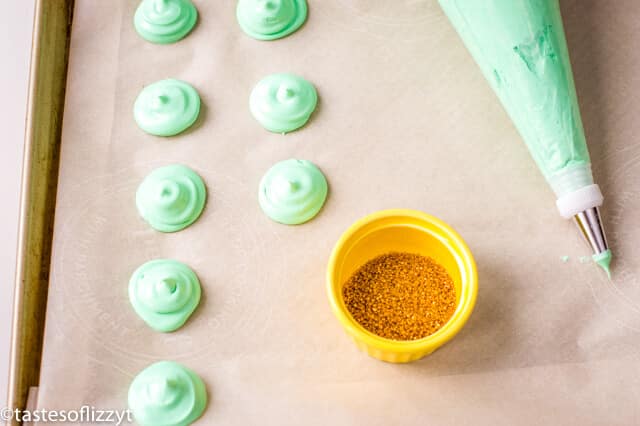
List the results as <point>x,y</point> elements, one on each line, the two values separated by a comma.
<point>521,49</point>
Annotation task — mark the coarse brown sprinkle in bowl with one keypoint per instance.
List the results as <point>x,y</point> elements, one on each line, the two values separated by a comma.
<point>410,232</point>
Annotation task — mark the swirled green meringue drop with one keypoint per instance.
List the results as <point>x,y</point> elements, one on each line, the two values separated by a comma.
<point>167,107</point>
<point>168,394</point>
<point>164,293</point>
<point>292,191</point>
<point>283,102</point>
<point>165,21</point>
<point>171,198</point>
<point>271,19</point>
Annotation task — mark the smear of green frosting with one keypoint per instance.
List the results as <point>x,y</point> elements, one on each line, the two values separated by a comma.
<point>521,48</point>
<point>292,191</point>
<point>165,21</point>
<point>283,102</point>
<point>271,19</point>
<point>167,394</point>
<point>171,198</point>
<point>164,293</point>
<point>167,107</point>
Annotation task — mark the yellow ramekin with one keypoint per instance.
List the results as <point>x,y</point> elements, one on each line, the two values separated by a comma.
<point>402,230</point>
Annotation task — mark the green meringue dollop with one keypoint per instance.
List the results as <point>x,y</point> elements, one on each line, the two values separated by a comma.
<point>283,102</point>
<point>165,21</point>
<point>167,107</point>
<point>271,19</point>
<point>167,394</point>
<point>164,293</point>
<point>171,198</point>
<point>292,191</point>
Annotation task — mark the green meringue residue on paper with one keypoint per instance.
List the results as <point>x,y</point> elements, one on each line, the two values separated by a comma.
<point>271,19</point>
<point>164,293</point>
<point>292,191</point>
<point>283,103</point>
<point>521,48</point>
<point>165,21</point>
<point>167,107</point>
<point>171,198</point>
<point>167,393</point>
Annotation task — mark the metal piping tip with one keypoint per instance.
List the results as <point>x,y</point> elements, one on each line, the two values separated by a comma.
<point>590,226</point>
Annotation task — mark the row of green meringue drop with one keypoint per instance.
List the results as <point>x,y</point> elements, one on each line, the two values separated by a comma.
<point>165,292</point>
<point>292,191</point>
<point>168,21</point>
<point>280,102</point>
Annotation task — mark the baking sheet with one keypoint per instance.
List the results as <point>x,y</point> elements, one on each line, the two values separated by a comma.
<point>405,120</point>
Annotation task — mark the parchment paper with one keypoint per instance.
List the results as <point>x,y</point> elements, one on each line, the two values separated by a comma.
<point>405,120</point>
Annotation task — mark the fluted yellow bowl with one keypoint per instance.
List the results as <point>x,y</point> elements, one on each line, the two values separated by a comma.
<point>410,231</point>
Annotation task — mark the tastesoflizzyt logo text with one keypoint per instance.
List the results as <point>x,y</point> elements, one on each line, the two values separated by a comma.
<point>86,415</point>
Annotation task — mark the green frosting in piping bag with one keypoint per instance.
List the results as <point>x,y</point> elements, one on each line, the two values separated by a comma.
<point>171,198</point>
<point>271,19</point>
<point>292,191</point>
<point>164,293</point>
<point>521,48</point>
<point>166,107</point>
<point>283,102</point>
<point>165,21</point>
<point>167,394</point>
<point>604,261</point>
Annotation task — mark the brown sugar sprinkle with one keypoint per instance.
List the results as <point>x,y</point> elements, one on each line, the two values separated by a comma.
<point>401,296</point>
